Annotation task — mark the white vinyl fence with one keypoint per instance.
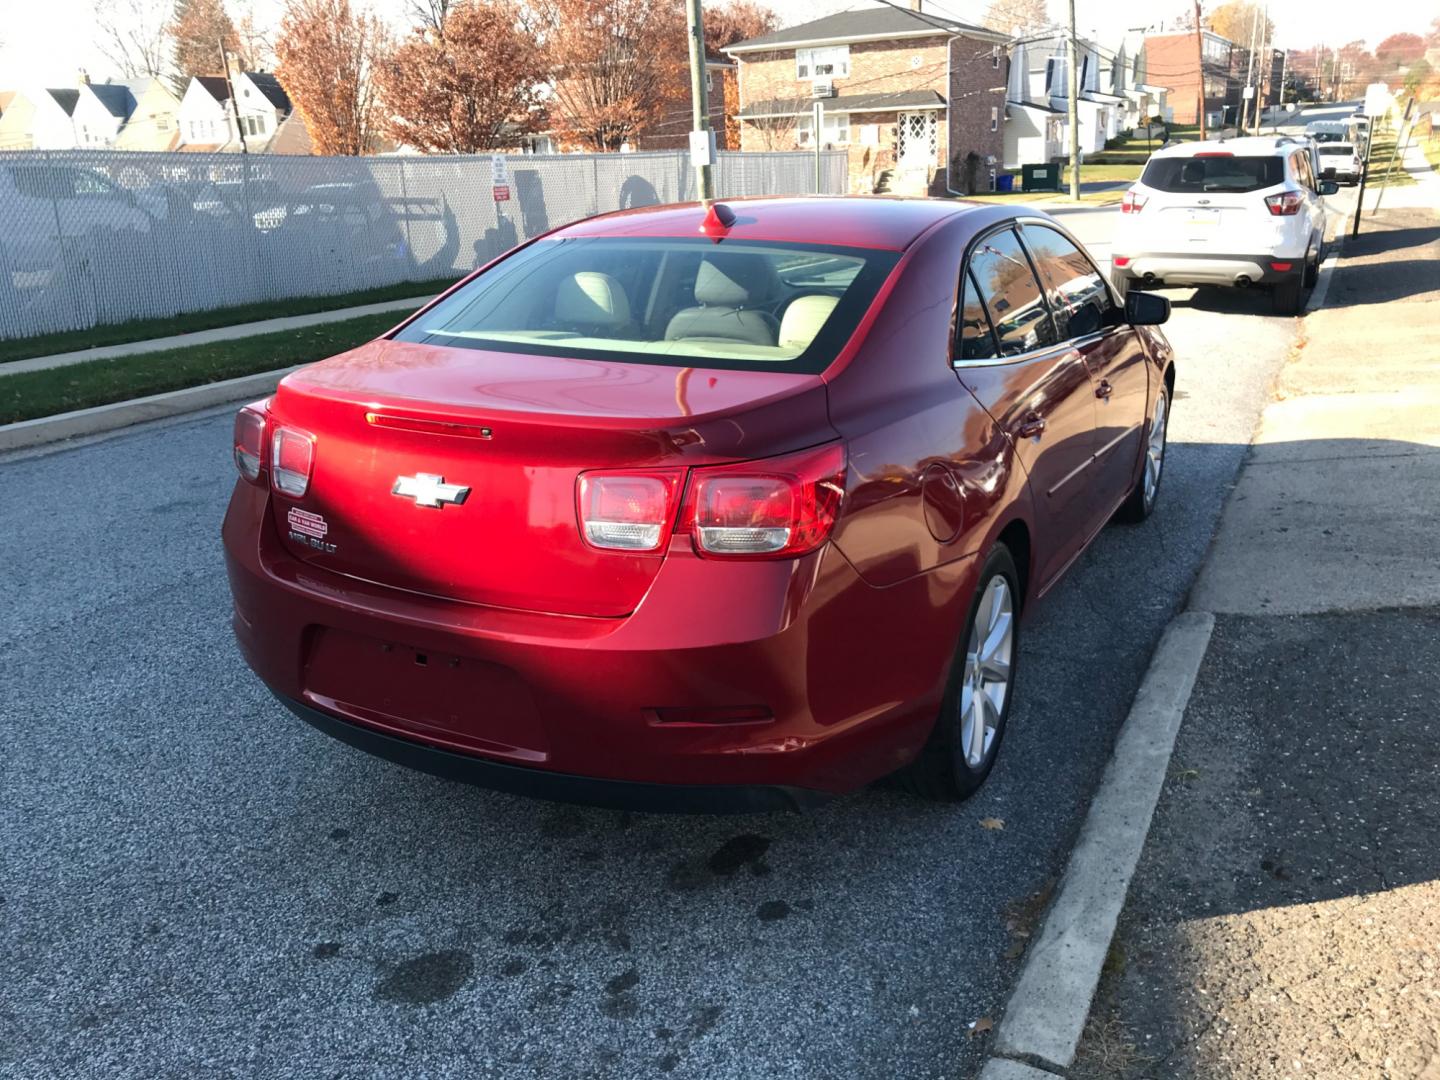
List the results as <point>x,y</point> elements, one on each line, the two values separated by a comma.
<point>91,237</point>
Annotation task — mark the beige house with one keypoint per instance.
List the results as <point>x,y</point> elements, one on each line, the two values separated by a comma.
<point>154,122</point>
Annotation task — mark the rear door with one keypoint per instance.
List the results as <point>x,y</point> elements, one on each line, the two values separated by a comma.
<point>1213,202</point>
<point>1087,318</point>
<point>1037,388</point>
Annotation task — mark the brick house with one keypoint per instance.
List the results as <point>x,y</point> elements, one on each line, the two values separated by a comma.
<point>917,100</point>
<point>1171,60</point>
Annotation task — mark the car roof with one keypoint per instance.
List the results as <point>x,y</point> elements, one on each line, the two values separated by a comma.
<point>1248,146</point>
<point>868,221</point>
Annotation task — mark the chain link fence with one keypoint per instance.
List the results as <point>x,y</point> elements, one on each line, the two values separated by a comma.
<point>92,237</point>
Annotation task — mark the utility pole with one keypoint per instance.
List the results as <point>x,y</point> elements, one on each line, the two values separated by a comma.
<point>1284,60</point>
<point>1249,74</point>
<point>700,100</point>
<point>1200,68</point>
<point>234,105</point>
<point>1072,78</point>
<point>1263,69</point>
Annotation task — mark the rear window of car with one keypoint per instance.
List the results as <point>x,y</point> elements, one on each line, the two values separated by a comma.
<point>652,300</point>
<point>1336,150</point>
<point>1220,173</point>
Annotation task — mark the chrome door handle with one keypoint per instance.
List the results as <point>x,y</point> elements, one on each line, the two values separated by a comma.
<point>1104,390</point>
<point>1031,426</point>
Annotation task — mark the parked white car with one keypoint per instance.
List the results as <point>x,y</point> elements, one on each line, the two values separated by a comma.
<point>1340,161</point>
<point>1232,212</point>
<point>49,209</point>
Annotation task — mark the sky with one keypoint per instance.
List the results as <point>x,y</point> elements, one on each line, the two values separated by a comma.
<point>48,43</point>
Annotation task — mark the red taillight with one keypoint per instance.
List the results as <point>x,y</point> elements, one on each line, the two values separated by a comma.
<point>628,511</point>
<point>1281,267</point>
<point>778,508</point>
<point>1133,202</point>
<point>1121,260</point>
<point>1214,153</point>
<point>250,442</point>
<point>292,457</point>
<point>1284,203</point>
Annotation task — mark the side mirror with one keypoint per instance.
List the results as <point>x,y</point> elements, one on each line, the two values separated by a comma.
<point>1146,309</point>
<point>1328,187</point>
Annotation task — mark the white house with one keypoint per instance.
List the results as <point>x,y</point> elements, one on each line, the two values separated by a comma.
<point>40,119</point>
<point>1032,125</point>
<point>208,120</point>
<point>101,110</point>
<point>1129,78</point>
<point>1099,111</point>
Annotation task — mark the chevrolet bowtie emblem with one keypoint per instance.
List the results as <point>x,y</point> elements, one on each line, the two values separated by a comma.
<point>427,489</point>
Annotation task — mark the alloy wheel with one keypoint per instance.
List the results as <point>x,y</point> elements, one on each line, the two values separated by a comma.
<point>986,684</point>
<point>1155,448</point>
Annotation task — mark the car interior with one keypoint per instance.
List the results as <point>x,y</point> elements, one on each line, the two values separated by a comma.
<point>760,303</point>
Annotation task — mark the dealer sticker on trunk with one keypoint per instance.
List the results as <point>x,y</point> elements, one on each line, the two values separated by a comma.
<point>309,529</point>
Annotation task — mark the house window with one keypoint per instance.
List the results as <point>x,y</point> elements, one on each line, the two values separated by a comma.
<point>831,60</point>
<point>709,83</point>
<point>834,132</point>
<point>994,118</point>
<point>995,56</point>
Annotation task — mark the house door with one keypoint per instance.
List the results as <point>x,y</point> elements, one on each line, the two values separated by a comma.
<point>918,143</point>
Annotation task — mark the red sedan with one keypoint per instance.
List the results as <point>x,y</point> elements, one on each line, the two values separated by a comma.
<point>733,507</point>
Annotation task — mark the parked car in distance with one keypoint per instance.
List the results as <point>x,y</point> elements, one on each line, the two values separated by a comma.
<point>725,508</point>
<point>1340,161</point>
<point>1234,213</point>
<point>49,209</point>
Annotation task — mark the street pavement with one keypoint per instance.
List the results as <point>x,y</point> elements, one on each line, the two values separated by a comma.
<point>196,883</point>
<point>1285,917</point>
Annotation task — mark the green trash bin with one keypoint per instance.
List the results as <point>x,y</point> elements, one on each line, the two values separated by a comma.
<point>1040,177</point>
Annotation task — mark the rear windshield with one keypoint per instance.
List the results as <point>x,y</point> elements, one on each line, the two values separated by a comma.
<point>1213,173</point>
<point>650,300</point>
<point>1336,149</point>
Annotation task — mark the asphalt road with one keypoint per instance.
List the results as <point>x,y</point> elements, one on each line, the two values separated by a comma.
<point>195,883</point>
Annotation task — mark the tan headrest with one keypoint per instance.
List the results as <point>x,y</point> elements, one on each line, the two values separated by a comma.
<point>590,298</point>
<point>803,320</point>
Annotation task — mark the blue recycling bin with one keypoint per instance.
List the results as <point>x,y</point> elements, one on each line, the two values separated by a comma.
<point>1005,182</point>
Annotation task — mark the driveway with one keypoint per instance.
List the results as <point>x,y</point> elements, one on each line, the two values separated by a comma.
<point>195,883</point>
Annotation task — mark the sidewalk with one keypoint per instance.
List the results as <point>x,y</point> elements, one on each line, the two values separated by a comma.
<point>1285,917</point>
<point>205,337</point>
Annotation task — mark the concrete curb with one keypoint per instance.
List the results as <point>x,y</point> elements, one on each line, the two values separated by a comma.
<point>123,414</point>
<point>1001,1069</point>
<point>207,337</point>
<point>1046,1012</point>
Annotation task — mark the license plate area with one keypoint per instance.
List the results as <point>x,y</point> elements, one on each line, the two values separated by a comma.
<point>453,701</point>
<point>1205,219</point>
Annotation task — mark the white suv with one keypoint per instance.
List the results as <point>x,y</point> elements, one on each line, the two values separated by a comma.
<point>1235,212</point>
<point>1340,161</point>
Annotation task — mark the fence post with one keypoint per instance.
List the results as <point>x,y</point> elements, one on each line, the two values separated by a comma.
<point>405,204</point>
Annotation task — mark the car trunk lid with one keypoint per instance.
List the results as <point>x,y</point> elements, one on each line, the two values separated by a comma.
<point>400,429</point>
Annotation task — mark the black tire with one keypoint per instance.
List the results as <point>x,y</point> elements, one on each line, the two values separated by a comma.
<point>941,771</point>
<point>1140,503</point>
<point>1312,268</point>
<point>1288,297</point>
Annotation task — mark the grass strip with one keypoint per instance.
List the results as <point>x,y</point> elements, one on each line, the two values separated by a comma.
<point>99,382</point>
<point>143,329</point>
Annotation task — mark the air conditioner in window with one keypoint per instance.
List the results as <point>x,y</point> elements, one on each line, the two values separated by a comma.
<point>822,87</point>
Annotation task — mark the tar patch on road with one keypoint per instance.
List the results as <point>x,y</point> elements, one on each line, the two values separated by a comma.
<point>427,978</point>
<point>736,854</point>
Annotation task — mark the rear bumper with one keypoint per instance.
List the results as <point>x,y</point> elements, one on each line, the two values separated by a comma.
<point>1188,268</point>
<point>561,787</point>
<point>851,675</point>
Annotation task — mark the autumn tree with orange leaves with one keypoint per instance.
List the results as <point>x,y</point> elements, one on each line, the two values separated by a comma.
<point>725,25</point>
<point>616,65</point>
<point>328,52</point>
<point>475,88</point>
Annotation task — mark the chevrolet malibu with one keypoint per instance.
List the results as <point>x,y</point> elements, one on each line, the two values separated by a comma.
<point>734,506</point>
